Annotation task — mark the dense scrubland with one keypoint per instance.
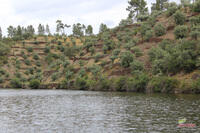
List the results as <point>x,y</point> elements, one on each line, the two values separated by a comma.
<point>147,52</point>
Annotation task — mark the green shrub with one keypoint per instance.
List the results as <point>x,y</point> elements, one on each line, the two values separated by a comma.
<point>144,28</point>
<point>162,84</point>
<point>27,62</point>
<point>97,57</point>
<point>4,49</point>
<point>34,83</point>
<point>179,18</point>
<point>47,49</point>
<point>113,58</point>
<point>59,43</point>
<point>172,9</point>
<point>181,31</point>
<point>38,63</point>
<point>196,86</point>
<point>35,57</point>
<point>29,49</point>
<point>137,66</point>
<point>126,59</point>
<point>116,52</point>
<point>137,51</point>
<point>195,20</point>
<point>159,29</point>
<point>81,83</point>
<point>120,83</point>
<point>196,6</point>
<point>138,83</point>
<point>148,35</point>
<point>129,45</point>
<point>16,83</point>
<point>195,32</point>
<point>54,76</point>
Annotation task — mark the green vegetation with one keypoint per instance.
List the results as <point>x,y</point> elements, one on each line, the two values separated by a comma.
<point>155,51</point>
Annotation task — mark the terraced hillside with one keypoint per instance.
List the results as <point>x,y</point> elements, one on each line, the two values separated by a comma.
<point>160,53</point>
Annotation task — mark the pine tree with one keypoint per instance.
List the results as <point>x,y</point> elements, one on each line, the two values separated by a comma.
<point>1,35</point>
<point>47,30</point>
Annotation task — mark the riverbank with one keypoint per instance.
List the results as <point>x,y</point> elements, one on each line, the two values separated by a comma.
<point>141,83</point>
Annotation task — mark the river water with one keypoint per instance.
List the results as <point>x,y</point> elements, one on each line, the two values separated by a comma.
<point>60,111</point>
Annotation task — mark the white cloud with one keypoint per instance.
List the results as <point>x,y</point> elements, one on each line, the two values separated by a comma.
<point>94,12</point>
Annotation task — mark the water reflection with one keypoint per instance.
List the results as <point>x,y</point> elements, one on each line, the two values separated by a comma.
<point>60,111</point>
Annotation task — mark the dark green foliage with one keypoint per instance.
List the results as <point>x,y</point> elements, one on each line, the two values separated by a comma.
<point>195,20</point>
<point>82,72</point>
<point>179,18</point>
<point>34,84</point>
<point>126,59</point>
<point>173,58</point>
<point>47,49</point>
<point>97,57</point>
<point>195,32</point>
<point>4,49</point>
<point>27,62</point>
<point>159,29</point>
<point>196,6</point>
<point>16,83</point>
<point>137,51</point>
<point>30,49</point>
<point>120,84</point>
<point>196,86</point>
<point>116,52</point>
<point>1,80</point>
<point>148,35</point>
<point>181,31</point>
<point>137,66</point>
<point>172,9</point>
<point>55,76</point>
<point>35,57</point>
<point>138,83</point>
<point>144,28</point>
<point>162,84</point>
<point>81,83</point>
<point>59,43</point>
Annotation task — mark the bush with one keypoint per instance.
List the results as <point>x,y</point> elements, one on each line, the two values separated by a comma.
<point>55,76</point>
<point>129,45</point>
<point>196,6</point>
<point>137,66</point>
<point>181,31</point>
<point>195,20</point>
<point>148,35</point>
<point>144,28</point>
<point>159,29</point>
<point>81,83</point>
<point>120,84</point>
<point>4,49</point>
<point>30,49</point>
<point>196,86</point>
<point>126,59</point>
<point>47,49</point>
<point>137,51</point>
<point>97,57</point>
<point>138,83</point>
<point>116,52</point>
<point>172,9</point>
<point>179,18</point>
<point>36,57</point>
<point>16,83</point>
<point>195,32</point>
<point>27,62</point>
<point>34,84</point>
<point>162,84</point>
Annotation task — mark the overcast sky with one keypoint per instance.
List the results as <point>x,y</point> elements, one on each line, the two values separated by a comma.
<point>94,12</point>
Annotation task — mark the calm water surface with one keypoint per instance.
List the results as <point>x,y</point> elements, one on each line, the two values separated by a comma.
<point>59,111</point>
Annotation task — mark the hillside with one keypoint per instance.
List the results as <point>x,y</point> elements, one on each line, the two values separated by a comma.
<point>160,53</point>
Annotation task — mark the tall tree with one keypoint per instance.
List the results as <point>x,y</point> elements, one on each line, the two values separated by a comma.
<point>41,29</point>
<point>103,28</point>
<point>136,8</point>
<point>89,30</point>
<point>30,30</point>
<point>60,26</point>
<point>11,31</point>
<point>159,5</point>
<point>78,30</point>
<point>48,30</point>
